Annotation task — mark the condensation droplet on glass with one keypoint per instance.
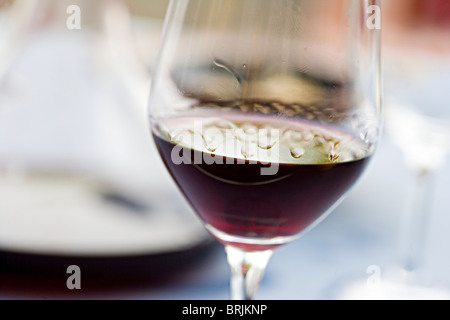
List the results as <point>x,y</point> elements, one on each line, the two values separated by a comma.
<point>319,140</point>
<point>239,134</point>
<point>248,148</point>
<point>297,152</point>
<point>250,131</point>
<point>266,140</point>
<point>357,154</point>
<point>369,135</point>
<point>224,65</point>
<point>295,136</point>
<point>176,136</point>
<point>308,136</point>
<point>333,156</point>
<point>362,136</point>
<point>334,152</point>
<point>330,138</point>
<point>210,143</point>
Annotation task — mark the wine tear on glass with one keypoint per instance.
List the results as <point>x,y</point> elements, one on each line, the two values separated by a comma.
<point>265,113</point>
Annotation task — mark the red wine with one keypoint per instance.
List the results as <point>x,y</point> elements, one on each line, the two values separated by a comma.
<point>257,180</point>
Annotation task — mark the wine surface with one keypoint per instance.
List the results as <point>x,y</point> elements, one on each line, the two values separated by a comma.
<point>257,182</point>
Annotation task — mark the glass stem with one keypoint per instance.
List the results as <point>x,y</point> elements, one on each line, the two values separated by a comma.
<point>415,224</point>
<point>247,269</point>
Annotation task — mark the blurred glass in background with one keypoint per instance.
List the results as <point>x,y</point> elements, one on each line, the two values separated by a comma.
<point>78,174</point>
<point>416,73</point>
<point>417,79</point>
<point>417,92</point>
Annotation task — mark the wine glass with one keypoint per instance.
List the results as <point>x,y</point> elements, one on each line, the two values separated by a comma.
<point>266,113</point>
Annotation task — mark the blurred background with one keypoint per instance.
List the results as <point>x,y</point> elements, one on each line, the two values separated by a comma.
<point>81,183</point>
